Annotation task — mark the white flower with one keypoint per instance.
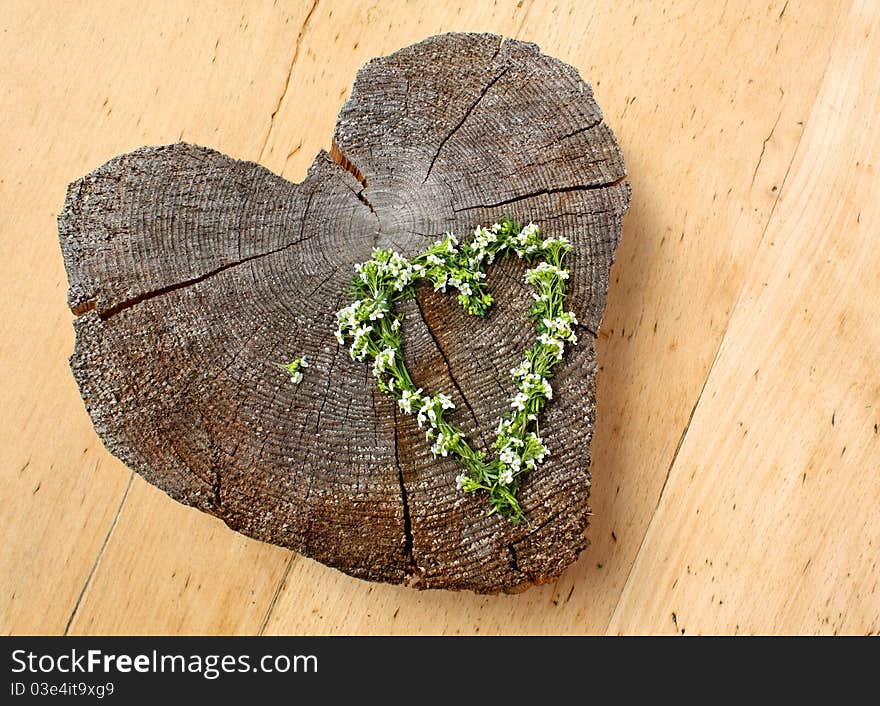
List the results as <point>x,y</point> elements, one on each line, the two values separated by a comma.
<point>529,230</point>
<point>385,359</point>
<point>506,476</point>
<point>445,401</point>
<point>294,369</point>
<point>443,444</point>
<point>428,413</point>
<point>358,348</point>
<point>552,342</point>
<point>408,398</point>
<point>510,458</point>
<point>558,240</point>
<point>543,271</point>
<point>521,370</point>
<point>459,480</point>
<point>519,402</point>
<point>503,426</point>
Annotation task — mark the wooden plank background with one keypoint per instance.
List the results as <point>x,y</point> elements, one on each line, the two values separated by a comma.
<point>737,453</point>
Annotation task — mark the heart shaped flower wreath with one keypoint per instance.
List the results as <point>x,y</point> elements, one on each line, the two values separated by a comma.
<point>373,328</point>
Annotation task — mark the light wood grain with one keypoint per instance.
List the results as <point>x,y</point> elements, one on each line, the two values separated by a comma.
<point>165,577</point>
<point>769,519</point>
<point>87,82</point>
<point>687,145</point>
<point>750,140</point>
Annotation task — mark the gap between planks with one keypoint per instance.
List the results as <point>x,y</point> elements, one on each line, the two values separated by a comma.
<point>97,561</point>
<point>278,591</point>
<point>299,39</point>
<point>613,618</point>
<point>294,59</point>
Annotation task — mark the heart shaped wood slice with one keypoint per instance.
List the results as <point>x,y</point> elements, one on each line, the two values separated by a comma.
<point>192,274</point>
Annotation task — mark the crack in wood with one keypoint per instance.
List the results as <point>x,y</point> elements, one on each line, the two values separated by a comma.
<point>764,148</point>
<point>514,559</point>
<point>588,329</point>
<point>100,553</point>
<point>299,38</point>
<point>408,538</point>
<point>105,314</point>
<point>216,488</point>
<point>545,192</point>
<point>464,119</point>
<point>451,375</point>
<point>337,155</point>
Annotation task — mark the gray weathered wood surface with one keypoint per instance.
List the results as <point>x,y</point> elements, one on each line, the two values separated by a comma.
<point>192,273</point>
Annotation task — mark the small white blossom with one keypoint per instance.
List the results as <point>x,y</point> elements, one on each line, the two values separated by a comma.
<point>542,271</point>
<point>559,240</point>
<point>442,445</point>
<point>552,342</point>
<point>294,369</point>
<point>445,401</point>
<point>408,398</point>
<point>521,370</point>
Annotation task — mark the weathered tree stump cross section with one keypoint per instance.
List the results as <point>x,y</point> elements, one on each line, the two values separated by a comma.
<point>191,273</point>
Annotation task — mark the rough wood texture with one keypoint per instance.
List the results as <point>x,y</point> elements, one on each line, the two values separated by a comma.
<point>192,273</point>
